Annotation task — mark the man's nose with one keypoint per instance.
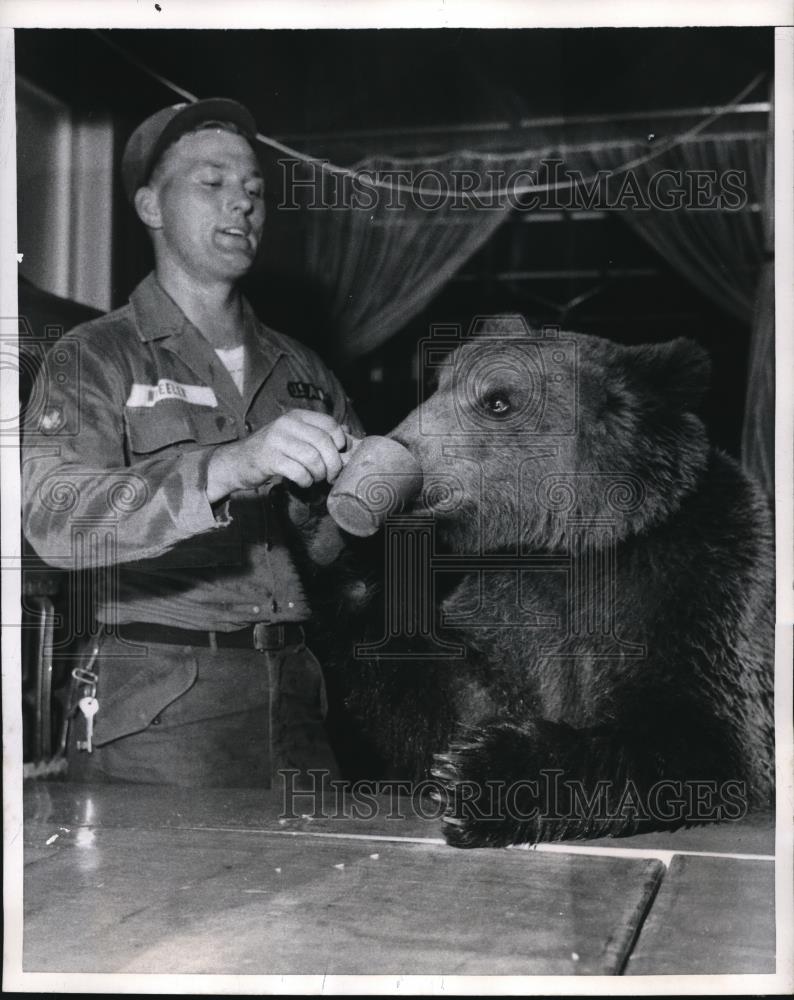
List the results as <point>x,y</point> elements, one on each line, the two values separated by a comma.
<point>242,201</point>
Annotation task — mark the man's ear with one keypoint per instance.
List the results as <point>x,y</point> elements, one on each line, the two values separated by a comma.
<point>147,205</point>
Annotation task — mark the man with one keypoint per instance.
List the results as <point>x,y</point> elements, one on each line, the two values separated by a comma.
<point>158,458</point>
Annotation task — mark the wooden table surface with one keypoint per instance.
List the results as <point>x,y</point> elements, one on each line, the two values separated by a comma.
<point>147,879</point>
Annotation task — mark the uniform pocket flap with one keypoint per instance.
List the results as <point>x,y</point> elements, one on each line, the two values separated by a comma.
<point>129,703</point>
<point>152,429</point>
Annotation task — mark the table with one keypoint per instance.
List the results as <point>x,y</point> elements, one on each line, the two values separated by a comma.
<point>148,879</point>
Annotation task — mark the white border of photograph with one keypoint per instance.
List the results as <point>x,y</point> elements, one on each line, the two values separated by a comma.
<point>425,14</point>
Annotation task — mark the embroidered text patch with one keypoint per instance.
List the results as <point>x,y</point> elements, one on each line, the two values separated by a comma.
<point>305,390</point>
<point>148,395</point>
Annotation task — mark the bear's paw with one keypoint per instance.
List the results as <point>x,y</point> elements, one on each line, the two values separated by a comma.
<point>493,783</point>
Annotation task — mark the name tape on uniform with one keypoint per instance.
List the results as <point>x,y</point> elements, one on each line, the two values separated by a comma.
<point>148,395</point>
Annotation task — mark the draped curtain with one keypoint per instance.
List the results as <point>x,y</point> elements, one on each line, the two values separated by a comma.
<point>383,252</point>
<point>728,254</point>
<point>758,432</point>
<point>719,249</point>
<point>384,257</point>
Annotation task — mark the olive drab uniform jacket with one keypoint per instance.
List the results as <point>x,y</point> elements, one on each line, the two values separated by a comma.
<point>121,425</point>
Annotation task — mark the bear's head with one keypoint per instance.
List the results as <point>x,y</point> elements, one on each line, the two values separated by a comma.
<point>526,434</point>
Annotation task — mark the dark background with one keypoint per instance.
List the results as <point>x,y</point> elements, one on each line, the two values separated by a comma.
<point>313,88</point>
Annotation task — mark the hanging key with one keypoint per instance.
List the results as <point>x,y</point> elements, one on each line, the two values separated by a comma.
<point>89,708</point>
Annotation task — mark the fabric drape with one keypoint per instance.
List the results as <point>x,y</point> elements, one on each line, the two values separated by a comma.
<point>383,253</point>
<point>727,253</point>
<point>718,247</point>
<point>383,259</point>
<point>383,256</point>
<point>758,430</point>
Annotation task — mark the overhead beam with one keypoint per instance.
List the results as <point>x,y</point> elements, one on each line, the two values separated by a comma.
<point>524,124</point>
<point>550,275</point>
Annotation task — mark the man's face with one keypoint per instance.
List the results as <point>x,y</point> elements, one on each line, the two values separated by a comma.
<point>209,192</point>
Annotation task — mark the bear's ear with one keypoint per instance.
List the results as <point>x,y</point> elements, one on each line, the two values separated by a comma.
<point>679,370</point>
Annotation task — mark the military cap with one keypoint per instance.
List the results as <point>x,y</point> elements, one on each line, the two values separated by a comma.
<point>154,135</point>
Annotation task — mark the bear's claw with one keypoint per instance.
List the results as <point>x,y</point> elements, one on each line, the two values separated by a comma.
<point>484,786</point>
<point>468,819</point>
<point>454,820</point>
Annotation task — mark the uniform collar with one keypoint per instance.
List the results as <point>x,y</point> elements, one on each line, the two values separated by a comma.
<point>158,317</point>
<point>156,313</point>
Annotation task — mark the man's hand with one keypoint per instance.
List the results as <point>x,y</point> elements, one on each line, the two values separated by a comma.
<point>302,446</point>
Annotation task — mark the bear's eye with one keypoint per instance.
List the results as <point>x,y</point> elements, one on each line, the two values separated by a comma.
<point>498,404</point>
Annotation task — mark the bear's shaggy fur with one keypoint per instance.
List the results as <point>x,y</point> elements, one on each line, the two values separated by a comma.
<point>611,579</point>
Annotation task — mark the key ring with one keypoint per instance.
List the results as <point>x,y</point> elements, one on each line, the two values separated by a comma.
<point>85,676</point>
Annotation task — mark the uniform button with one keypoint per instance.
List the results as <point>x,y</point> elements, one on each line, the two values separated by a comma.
<point>256,609</point>
<point>290,604</point>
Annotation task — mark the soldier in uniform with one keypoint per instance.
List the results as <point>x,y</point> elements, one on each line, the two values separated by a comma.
<point>154,462</point>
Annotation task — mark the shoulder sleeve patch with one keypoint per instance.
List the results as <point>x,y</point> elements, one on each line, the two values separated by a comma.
<point>52,420</point>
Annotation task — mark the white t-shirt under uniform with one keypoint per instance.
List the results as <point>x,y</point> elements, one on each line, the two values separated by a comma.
<point>233,359</point>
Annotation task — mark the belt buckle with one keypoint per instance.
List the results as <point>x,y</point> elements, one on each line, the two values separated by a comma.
<point>260,637</point>
<point>264,632</point>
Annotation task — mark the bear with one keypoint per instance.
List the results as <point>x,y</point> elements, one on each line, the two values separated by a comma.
<point>597,659</point>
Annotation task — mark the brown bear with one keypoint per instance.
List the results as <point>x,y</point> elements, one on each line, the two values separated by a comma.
<point>596,657</point>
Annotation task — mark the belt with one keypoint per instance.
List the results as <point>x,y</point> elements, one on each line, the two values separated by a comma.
<point>260,636</point>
